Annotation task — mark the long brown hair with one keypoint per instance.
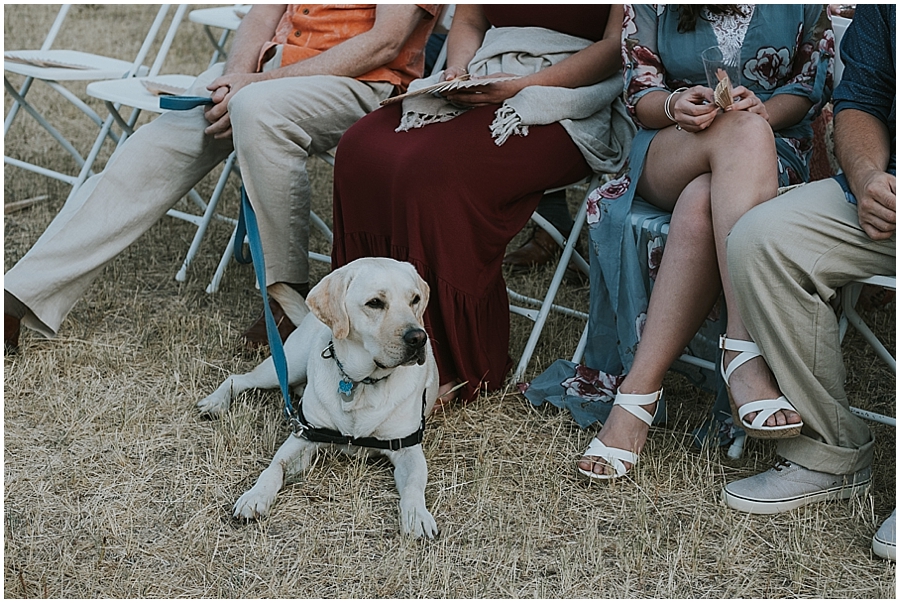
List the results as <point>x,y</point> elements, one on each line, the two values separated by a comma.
<point>689,13</point>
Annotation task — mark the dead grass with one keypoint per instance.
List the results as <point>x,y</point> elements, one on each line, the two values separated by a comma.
<point>114,488</point>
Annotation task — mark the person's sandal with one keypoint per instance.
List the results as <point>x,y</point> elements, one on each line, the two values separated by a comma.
<point>763,408</point>
<point>614,457</point>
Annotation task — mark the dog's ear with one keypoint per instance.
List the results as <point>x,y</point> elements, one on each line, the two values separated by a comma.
<point>327,302</point>
<point>426,293</point>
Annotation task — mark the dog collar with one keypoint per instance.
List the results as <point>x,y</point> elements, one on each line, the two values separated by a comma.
<point>346,386</point>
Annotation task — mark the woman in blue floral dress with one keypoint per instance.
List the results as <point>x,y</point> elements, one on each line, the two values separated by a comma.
<point>707,166</point>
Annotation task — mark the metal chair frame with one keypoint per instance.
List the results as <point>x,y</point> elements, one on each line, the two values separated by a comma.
<point>131,92</point>
<point>226,18</point>
<point>100,68</point>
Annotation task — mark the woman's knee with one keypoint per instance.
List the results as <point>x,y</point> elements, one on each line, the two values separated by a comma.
<point>744,133</point>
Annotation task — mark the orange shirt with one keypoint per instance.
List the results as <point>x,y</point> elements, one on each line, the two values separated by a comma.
<point>306,30</point>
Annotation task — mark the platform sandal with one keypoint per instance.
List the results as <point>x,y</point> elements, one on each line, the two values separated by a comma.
<point>617,457</point>
<point>763,408</point>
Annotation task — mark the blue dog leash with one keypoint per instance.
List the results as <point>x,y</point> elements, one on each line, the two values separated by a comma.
<point>183,103</point>
<point>247,225</point>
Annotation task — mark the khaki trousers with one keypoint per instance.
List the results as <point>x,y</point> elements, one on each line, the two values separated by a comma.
<point>786,258</point>
<point>276,124</point>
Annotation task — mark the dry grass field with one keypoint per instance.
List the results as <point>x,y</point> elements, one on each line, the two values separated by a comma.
<point>115,488</point>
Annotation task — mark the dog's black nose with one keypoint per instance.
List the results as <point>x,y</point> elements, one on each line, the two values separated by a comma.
<point>415,338</point>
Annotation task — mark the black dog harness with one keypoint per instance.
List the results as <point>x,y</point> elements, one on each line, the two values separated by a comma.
<point>347,388</point>
<point>302,429</point>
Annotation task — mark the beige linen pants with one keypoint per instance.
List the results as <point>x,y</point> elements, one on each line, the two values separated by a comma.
<point>786,258</point>
<point>277,125</point>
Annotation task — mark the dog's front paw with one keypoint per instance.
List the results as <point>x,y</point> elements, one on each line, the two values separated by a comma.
<point>253,504</point>
<point>417,522</point>
<point>215,404</point>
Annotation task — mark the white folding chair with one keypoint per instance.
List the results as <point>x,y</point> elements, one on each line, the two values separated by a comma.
<point>141,94</point>
<point>52,66</point>
<point>226,18</point>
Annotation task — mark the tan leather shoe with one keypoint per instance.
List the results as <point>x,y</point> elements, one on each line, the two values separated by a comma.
<point>255,336</point>
<point>540,249</point>
<point>11,329</point>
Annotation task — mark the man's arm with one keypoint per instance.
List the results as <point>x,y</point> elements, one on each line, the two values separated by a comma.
<point>862,147</point>
<point>257,27</point>
<point>394,23</point>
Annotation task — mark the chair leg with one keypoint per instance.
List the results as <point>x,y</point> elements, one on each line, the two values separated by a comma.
<point>14,109</point>
<point>21,103</point>
<point>849,296</point>
<point>582,345</point>
<point>547,304</point>
<point>213,286</point>
<point>208,214</point>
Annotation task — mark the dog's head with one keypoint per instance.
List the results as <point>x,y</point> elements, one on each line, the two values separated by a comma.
<point>378,303</point>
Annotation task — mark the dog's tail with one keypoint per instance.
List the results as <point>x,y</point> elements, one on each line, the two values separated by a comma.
<point>290,301</point>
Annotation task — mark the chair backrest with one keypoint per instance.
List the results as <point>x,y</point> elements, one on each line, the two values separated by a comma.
<point>839,25</point>
<point>150,39</point>
<point>442,27</point>
<point>444,19</point>
<point>57,25</point>
<point>167,40</point>
<point>226,18</point>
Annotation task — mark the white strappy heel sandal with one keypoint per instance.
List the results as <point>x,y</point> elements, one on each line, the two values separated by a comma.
<point>617,457</point>
<point>763,408</point>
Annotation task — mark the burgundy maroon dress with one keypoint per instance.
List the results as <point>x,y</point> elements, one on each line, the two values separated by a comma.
<point>448,200</point>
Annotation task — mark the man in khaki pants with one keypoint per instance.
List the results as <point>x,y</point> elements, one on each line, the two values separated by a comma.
<point>787,258</point>
<point>297,77</point>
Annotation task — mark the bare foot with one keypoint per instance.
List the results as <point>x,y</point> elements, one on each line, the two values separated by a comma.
<point>754,381</point>
<point>621,430</point>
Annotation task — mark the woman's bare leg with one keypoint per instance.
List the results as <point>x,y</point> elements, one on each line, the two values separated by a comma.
<point>686,288</point>
<point>731,167</point>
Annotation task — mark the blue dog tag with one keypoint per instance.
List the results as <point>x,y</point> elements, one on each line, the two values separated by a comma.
<point>345,389</point>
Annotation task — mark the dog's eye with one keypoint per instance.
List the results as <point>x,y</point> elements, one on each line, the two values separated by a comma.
<point>375,304</point>
<point>416,300</point>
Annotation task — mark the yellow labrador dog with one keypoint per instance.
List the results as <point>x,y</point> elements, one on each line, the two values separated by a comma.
<point>371,380</point>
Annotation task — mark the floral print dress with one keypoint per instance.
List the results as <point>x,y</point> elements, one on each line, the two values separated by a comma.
<point>786,49</point>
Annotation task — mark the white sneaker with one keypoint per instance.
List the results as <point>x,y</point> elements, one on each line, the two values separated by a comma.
<point>788,486</point>
<point>884,543</point>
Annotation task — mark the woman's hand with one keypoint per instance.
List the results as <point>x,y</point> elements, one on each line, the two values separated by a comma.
<point>694,109</point>
<point>746,100</point>
<point>490,94</point>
